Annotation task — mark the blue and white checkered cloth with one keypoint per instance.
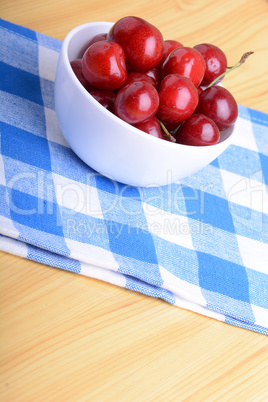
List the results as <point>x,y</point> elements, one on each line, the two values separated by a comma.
<point>200,244</point>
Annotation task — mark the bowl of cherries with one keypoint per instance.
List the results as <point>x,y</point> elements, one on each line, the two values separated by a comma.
<point>139,109</point>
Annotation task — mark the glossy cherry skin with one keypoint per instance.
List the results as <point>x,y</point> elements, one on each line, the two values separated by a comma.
<point>105,98</point>
<point>156,75</point>
<point>142,42</point>
<point>185,61</point>
<point>136,102</point>
<point>104,66</point>
<point>198,130</point>
<point>134,77</point>
<point>77,69</point>
<point>123,29</point>
<point>178,98</point>
<point>216,62</point>
<point>219,105</point>
<point>169,46</point>
<point>96,38</point>
<point>151,126</point>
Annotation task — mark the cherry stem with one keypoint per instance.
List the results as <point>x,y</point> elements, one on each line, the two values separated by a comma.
<point>229,69</point>
<point>176,129</point>
<point>166,132</point>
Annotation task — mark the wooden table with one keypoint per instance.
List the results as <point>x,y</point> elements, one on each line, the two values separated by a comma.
<point>70,338</point>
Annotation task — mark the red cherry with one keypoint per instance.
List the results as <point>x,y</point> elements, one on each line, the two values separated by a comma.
<point>178,98</point>
<point>216,62</point>
<point>77,69</point>
<point>141,41</point>
<point>185,61</point>
<point>103,65</point>
<point>152,127</point>
<point>136,102</point>
<point>105,98</point>
<point>96,38</point>
<point>156,75</point>
<point>198,130</point>
<point>219,105</point>
<point>123,29</point>
<point>134,77</point>
<point>169,46</point>
<point>145,48</point>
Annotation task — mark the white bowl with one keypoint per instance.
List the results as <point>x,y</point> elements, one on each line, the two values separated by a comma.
<point>111,146</point>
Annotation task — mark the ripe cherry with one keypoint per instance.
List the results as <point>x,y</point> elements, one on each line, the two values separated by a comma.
<point>142,42</point>
<point>151,126</point>
<point>198,130</point>
<point>96,38</point>
<point>218,104</point>
<point>178,98</point>
<point>216,62</point>
<point>77,69</point>
<point>105,98</point>
<point>123,29</point>
<point>169,46</point>
<point>185,61</point>
<point>156,75</point>
<point>104,66</point>
<point>136,102</point>
<point>134,77</point>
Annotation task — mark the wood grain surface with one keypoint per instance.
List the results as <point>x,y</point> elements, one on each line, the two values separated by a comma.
<point>65,337</point>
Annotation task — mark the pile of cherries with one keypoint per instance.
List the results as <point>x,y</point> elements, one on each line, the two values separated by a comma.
<point>159,86</point>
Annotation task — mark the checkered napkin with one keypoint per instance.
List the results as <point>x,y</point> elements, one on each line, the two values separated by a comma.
<point>200,244</point>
